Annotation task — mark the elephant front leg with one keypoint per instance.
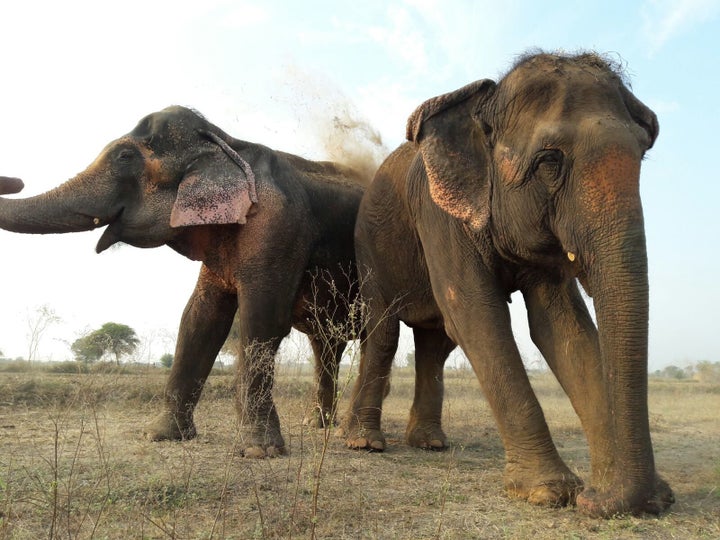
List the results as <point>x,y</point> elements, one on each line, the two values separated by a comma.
<point>424,429</point>
<point>204,327</point>
<point>534,470</point>
<point>565,334</point>
<point>328,353</point>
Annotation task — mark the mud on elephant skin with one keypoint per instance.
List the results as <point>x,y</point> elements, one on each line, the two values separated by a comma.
<point>274,233</point>
<point>525,184</point>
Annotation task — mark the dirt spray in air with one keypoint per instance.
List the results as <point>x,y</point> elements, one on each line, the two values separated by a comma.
<point>336,128</point>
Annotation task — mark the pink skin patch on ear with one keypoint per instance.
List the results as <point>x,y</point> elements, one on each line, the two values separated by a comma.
<point>447,194</point>
<point>201,203</point>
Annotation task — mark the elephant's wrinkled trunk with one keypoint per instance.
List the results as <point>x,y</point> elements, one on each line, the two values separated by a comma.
<point>615,262</point>
<point>620,279</point>
<point>67,208</point>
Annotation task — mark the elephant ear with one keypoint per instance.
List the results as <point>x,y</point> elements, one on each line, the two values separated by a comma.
<point>218,189</point>
<point>452,137</point>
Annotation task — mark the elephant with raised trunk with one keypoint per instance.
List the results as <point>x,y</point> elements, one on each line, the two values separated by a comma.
<point>274,233</point>
<point>528,184</point>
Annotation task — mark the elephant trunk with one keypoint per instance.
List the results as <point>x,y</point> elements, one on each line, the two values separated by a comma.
<point>71,207</point>
<point>616,268</point>
<point>619,280</point>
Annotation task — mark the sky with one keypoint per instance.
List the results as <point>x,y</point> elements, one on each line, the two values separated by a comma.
<point>76,75</point>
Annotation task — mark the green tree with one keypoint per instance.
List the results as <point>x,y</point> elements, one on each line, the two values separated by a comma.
<point>166,360</point>
<point>87,349</point>
<point>110,339</point>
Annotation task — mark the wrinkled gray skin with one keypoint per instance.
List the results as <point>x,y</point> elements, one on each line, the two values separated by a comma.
<point>274,233</point>
<point>525,184</point>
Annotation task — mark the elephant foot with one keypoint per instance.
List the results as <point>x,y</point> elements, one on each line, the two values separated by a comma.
<point>258,442</point>
<point>371,440</point>
<point>553,490</point>
<point>260,452</point>
<point>360,438</point>
<point>319,419</point>
<point>634,501</point>
<point>168,426</point>
<point>426,436</point>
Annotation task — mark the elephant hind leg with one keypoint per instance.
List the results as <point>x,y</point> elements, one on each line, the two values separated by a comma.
<point>361,427</point>
<point>328,353</point>
<point>259,424</point>
<point>424,429</point>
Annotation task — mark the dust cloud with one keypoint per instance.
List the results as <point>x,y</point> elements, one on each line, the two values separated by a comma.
<point>336,128</point>
<point>352,142</point>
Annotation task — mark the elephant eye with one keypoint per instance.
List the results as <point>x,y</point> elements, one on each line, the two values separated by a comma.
<point>126,155</point>
<point>548,165</point>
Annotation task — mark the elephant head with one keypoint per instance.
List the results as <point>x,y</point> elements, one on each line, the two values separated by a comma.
<point>544,167</point>
<point>174,170</point>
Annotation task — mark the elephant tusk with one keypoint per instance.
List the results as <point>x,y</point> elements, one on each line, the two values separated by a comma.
<point>571,256</point>
<point>96,221</point>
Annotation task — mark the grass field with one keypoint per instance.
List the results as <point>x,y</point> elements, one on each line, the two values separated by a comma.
<point>74,464</point>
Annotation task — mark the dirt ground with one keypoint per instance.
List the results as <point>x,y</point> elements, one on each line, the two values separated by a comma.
<point>74,464</point>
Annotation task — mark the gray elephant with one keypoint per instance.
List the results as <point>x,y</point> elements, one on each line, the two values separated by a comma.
<point>274,233</point>
<point>525,184</point>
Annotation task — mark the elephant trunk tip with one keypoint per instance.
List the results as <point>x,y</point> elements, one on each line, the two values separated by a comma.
<point>10,185</point>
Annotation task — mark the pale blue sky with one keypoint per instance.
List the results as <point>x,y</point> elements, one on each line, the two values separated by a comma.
<point>76,75</point>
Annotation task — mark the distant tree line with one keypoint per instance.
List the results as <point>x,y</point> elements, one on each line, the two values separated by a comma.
<point>704,371</point>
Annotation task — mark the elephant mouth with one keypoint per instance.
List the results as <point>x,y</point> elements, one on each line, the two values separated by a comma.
<point>577,269</point>
<point>583,279</point>
<point>111,234</point>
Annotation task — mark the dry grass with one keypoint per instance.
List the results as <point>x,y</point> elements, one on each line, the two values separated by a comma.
<point>73,464</point>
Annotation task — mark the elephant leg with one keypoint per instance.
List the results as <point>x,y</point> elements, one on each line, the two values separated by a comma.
<point>328,353</point>
<point>424,428</point>
<point>204,327</point>
<point>534,470</point>
<point>565,334</point>
<point>361,426</point>
<point>477,318</point>
<point>264,317</point>
<point>259,424</point>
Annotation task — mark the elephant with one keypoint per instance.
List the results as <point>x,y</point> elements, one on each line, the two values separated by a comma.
<point>274,233</point>
<point>9,186</point>
<point>528,184</point>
